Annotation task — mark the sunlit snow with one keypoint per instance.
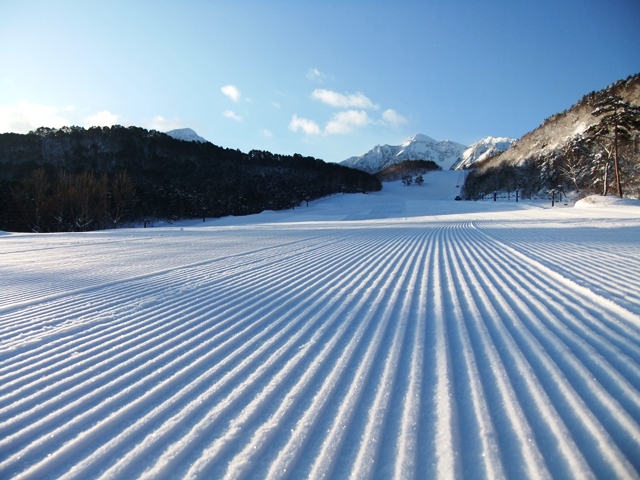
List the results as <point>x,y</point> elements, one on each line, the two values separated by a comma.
<point>391,334</point>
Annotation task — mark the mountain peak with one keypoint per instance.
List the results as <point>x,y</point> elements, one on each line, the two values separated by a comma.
<point>419,137</point>
<point>186,134</point>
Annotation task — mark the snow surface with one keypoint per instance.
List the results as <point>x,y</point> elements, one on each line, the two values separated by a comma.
<point>395,334</point>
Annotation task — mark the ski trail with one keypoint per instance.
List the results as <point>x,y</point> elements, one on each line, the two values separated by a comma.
<point>446,434</point>
<point>420,348</point>
<point>620,422</point>
<point>481,453</point>
<point>326,457</point>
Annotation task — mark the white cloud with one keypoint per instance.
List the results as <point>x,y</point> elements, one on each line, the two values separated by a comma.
<point>345,122</point>
<point>335,99</point>
<point>232,115</point>
<point>162,124</point>
<point>25,116</point>
<point>309,127</point>
<point>232,92</point>
<point>317,76</point>
<point>101,119</point>
<point>340,124</point>
<point>266,133</point>
<point>391,117</point>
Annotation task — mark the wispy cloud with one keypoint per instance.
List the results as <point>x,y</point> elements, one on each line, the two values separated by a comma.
<point>393,118</point>
<point>232,115</point>
<point>309,127</point>
<point>266,133</point>
<point>346,122</point>
<point>26,116</point>
<point>232,92</point>
<point>316,75</point>
<point>340,100</point>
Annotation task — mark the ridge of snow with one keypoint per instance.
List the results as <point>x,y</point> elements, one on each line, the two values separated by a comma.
<point>187,135</point>
<point>606,201</point>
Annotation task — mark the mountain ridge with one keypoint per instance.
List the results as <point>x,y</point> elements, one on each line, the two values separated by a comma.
<point>417,147</point>
<point>447,154</point>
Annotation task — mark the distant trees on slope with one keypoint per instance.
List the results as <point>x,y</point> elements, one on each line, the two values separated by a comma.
<point>407,167</point>
<point>70,201</point>
<point>77,179</point>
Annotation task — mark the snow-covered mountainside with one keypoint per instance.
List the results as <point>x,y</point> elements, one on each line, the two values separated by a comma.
<point>482,150</point>
<point>419,147</point>
<point>557,132</point>
<point>187,135</point>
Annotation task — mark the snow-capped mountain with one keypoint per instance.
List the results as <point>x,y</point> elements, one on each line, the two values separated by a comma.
<point>419,147</point>
<point>481,150</point>
<point>187,135</point>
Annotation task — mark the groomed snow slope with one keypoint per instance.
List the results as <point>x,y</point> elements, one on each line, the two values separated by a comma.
<point>387,335</point>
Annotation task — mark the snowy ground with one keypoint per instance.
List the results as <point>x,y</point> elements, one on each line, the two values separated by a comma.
<point>395,334</point>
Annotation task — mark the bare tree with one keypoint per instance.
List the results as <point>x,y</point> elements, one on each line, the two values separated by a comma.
<point>30,199</point>
<point>574,165</point>
<point>122,196</point>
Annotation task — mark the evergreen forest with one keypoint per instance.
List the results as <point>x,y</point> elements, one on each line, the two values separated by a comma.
<point>76,179</point>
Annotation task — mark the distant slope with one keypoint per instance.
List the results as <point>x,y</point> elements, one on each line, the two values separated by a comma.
<point>418,147</point>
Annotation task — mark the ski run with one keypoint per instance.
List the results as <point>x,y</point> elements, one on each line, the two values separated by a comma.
<point>398,334</point>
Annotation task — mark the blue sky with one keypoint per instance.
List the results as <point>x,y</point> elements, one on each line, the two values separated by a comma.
<point>329,79</point>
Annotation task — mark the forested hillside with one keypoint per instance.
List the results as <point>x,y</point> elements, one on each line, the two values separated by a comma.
<point>594,147</point>
<point>72,179</point>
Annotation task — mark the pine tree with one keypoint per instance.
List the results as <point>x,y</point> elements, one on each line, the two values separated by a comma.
<point>620,120</point>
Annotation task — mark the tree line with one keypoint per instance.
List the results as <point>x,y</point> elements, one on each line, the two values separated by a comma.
<point>74,179</point>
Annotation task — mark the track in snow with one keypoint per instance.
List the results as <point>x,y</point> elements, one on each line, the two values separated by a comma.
<point>482,349</point>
